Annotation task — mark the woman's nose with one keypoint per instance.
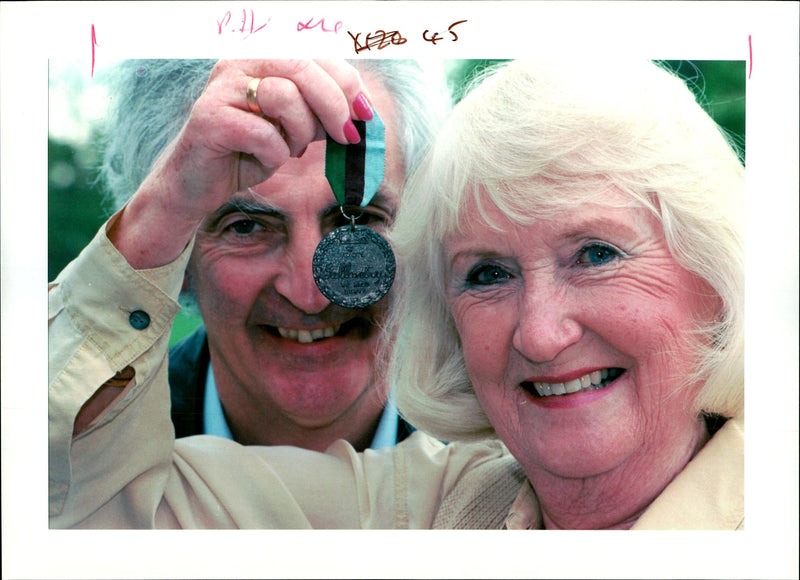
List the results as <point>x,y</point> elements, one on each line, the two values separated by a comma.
<point>296,280</point>
<point>546,325</point>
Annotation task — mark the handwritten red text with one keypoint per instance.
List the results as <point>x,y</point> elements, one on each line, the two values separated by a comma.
<point>310,25</point>
<point>246,26</point>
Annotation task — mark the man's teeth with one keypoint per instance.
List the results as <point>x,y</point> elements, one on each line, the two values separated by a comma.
<point>593,380</point>
<point>306,336</point>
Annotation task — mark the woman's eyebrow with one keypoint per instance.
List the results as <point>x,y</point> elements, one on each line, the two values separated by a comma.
<point>591,226</point>
<point>472,254</point>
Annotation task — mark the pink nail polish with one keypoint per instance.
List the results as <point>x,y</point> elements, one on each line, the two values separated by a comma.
<point>350,132</point>
<point>362,108</point>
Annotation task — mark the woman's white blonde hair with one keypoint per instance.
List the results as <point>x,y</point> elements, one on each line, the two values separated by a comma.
<point>534,139</point>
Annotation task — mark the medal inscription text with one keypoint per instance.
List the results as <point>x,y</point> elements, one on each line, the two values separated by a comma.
<point>354,267</point>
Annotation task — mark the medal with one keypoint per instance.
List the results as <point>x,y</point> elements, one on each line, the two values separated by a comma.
<point>354,266</point>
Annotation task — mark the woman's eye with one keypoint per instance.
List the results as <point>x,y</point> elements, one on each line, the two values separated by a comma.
<point>487,275</point>
<point>596,255</point>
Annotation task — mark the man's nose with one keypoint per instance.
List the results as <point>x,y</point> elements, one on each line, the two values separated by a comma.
<point>547,324</point>
<point>296,279</point>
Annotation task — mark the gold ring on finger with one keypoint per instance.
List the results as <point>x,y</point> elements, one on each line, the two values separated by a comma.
<point>252,96</point>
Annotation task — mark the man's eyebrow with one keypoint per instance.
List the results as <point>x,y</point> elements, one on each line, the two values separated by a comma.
<point>385,202</point>
<point>380,200</point>
<point>245,206</point>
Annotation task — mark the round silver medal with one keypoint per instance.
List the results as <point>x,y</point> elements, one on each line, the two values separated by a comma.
<point>353,266</point>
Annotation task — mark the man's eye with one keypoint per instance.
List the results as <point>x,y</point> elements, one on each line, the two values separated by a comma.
<point>597,254</point>
<point>487,275</point>
<point>242,227</point>
<point>365,218</point>
<point>372,219</point>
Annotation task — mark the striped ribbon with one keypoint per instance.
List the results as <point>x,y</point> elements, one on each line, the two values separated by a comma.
<point>355,172</point>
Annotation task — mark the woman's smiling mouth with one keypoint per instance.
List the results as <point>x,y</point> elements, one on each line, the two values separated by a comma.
<point>588,382</point>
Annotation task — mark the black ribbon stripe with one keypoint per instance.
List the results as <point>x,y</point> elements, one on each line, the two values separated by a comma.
<point>354,168</point>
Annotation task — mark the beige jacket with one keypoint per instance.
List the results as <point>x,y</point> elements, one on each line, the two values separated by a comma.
<point>128,471</point>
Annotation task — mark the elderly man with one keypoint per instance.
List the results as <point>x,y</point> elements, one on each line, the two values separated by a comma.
<point>232,170</point>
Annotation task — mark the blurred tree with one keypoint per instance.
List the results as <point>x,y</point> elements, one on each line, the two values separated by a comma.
<point>719,86</point>
<point>460,73</point>
<point>74,206</point>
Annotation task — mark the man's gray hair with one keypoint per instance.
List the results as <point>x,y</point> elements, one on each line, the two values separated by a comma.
<point>152,99</point>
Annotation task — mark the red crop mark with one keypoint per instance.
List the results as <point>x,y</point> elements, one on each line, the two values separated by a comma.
<point>94,43</point>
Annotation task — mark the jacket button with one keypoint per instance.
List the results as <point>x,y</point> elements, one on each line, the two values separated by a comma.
<point>139,319</point>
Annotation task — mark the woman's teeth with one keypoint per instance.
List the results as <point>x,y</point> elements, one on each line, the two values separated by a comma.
<point>306,336</point>
<point>588,382</point>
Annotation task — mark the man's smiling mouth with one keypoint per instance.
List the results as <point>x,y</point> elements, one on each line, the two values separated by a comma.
<point>305,336</point>
<point>588,382</point>
<point>359,328</point>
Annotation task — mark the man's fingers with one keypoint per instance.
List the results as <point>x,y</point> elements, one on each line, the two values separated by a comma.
<point>329,88</point>
<point>352,85</point>
<point>295,103</point>
<point>279,101</point>
<point>264,140</point>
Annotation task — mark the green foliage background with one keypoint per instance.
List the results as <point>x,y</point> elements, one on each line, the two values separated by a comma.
<point>76,208</point>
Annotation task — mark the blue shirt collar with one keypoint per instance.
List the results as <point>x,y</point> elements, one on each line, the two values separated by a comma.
<point>214,422</point>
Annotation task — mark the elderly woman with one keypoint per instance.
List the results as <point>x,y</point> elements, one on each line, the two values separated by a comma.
<point>570,290</point>
<point>575,265</point>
